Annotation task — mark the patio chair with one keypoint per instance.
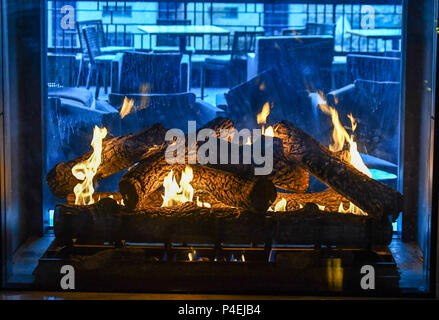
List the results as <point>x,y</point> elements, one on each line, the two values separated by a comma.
<point>172,110</point>
<point>304,62</point>
<point>83,56</point>
<point>375,68</point>
<point>232,64</point>
<point>157,82</point>
<point>99,63</point>
<point>171,43</point>
<point>246,100</point>
<point>160,72</point>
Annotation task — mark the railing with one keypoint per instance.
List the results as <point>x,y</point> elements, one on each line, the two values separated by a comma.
<point>121,19</point>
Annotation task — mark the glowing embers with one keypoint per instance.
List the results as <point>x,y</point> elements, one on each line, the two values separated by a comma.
<point>87,169</point>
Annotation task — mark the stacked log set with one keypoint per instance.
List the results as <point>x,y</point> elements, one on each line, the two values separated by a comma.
<point>107,221</point>
<point>239,199</point>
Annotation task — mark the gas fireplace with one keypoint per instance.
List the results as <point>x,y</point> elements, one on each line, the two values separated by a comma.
<point>278,150</point>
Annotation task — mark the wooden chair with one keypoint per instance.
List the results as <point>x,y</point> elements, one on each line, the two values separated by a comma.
<point>99,62</point>
<point>232,64</point>
<point>101,40</point>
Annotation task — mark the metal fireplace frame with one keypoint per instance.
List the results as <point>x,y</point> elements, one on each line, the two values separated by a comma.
<point>21,123</point>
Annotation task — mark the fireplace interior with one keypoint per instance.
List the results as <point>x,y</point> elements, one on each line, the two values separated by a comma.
<point>233,147</point>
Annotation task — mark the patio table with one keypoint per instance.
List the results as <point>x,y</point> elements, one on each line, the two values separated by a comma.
<point>183,31</point>
<point>385,34</point>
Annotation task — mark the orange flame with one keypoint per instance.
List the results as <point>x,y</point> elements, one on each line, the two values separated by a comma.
<point>269,132</point>
<point>180,193</point>
<point>87,169</point>
<point>340,136</point>
<point>281,205</point>
<point>352,209</point>
<point>127,105</point>
<point>261,117</point>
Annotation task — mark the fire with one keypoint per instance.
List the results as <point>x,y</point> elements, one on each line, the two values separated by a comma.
<point>281,205</point>
<point>175,193</point>
<point>127,106</point>
<point>87,169</point>
<point>261,117</point>
<point>352,209</point>
<point>180,193</point>
<point>269,132</point>
<point>203,204</point>
<point>340,136</point>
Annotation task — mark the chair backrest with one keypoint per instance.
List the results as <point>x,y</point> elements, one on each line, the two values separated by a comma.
<point>244,42</point>
<point>172,110</point>
<point>80,25</point>
<point>246,100</point>
<point>304,62</point>
<point>375,68</point>
<point>140,72</point>
<point>170,40</point>
<point>93,44</point>
<point>320,29</point>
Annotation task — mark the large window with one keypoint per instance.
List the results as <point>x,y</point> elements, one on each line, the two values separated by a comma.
<point>325,84</point>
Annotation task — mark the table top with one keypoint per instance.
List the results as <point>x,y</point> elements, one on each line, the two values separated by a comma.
<point>376,33</point>
<point>181,29</point>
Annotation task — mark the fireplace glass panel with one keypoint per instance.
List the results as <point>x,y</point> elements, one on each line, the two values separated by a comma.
<point>324,84</point>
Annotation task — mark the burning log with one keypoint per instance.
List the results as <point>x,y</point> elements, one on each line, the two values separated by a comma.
<point>374,197</point>
<point>97,196</point>
<point>200,197</point>
<point>139,182</point>
<point>286,174</point>
<point>106,221</point>
<point>328,199</point>
<point>117,154</point>
<point>254,194</point>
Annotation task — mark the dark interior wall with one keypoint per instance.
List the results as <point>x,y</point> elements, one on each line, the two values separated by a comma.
<point>419,122</point>
<point>22,122</point>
